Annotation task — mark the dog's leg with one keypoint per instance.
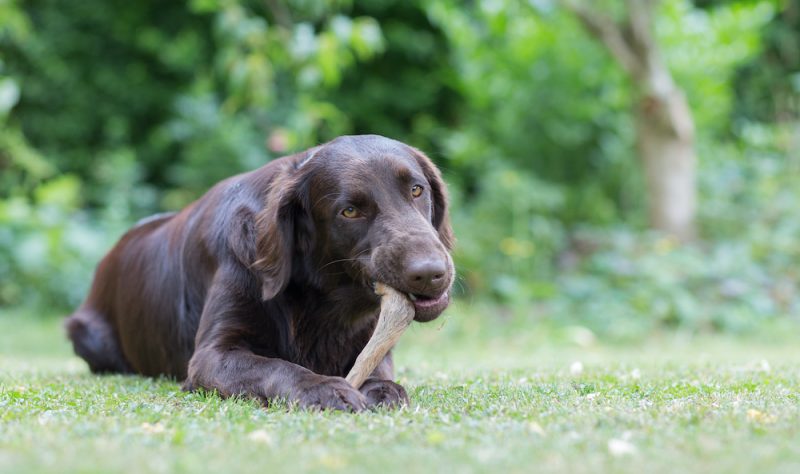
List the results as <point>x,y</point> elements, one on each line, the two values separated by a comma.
<point>238,372</point>
<point>380,389</point>
<point>223,362</point>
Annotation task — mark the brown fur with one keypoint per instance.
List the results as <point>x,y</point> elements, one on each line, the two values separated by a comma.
<point>262,288</point>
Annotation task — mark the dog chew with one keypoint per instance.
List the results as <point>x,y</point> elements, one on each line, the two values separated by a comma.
<point>396,314</point>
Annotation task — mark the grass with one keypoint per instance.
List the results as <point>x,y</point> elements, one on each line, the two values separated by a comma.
<point>485,398</point>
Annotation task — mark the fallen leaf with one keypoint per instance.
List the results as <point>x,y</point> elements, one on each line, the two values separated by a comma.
<point>153,428</point>
<point>757,416</point>
<point>620,447</point>
<point>260,436</point>
<point>534,427</point>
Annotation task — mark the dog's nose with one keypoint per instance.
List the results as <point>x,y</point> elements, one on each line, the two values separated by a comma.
<point>426,276</point>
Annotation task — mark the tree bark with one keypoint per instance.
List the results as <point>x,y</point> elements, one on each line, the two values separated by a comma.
<point>669,163</point>
<point>665,129</point>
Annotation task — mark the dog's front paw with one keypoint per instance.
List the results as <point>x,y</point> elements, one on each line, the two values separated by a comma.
<point>330,393</point>
<point>384,393</point>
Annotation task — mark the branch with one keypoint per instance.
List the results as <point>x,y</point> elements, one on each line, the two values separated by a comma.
<point>610,33</point>
<point>640,24</point>
<point>279,12</point>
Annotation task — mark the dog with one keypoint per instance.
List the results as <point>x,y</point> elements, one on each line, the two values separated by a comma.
<point>263,287</point>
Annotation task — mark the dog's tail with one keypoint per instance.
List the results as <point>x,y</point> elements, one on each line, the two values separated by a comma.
<point>94,341</point>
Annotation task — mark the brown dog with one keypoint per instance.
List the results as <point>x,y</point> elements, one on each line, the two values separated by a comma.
<point>263,287</point>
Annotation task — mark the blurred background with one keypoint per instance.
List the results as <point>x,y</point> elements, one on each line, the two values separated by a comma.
<point>617,168</point>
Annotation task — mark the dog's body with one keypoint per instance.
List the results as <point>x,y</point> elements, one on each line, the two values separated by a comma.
<point>263,287</point>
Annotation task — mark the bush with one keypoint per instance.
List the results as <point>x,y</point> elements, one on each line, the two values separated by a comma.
<point>622,283</point>
<point>49,248</point>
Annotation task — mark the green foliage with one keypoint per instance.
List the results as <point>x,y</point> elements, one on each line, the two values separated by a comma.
<point>189,94</point>
<point>545,155</point>
<point>407,91</point>
<point>49,246</point>
<point>126,109</point>
<point>543,98</point>
<point>512,261</point>
<point>95,83</point>
<point>623,284</point>
<point>113,110</point>
<point>721,40</point>
<point>768,87</point>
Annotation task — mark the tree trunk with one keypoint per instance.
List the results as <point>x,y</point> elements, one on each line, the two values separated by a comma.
<point>665,138</point>
<point>665,129</point>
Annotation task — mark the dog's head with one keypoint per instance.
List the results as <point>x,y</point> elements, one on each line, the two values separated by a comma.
<point>358,210</point>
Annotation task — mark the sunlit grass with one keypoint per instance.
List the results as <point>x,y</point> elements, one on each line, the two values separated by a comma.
<point>483,399</point>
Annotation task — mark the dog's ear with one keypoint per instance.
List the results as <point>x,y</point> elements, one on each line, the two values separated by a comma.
<point>441,216</point>
<point>277,226</point>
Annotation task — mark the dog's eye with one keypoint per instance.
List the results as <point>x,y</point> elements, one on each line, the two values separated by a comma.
<point>416,190</point>
<point>351,212</point>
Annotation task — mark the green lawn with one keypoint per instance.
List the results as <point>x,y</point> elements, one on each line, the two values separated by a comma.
<point>485,398</point>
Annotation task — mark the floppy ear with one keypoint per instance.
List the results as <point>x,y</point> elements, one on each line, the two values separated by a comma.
<point>275,239</point>
<point>441,216</point>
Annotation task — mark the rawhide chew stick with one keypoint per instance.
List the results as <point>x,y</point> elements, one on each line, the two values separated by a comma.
<point>396,314</point>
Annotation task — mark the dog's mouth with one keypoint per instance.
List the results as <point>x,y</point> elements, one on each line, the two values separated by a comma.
<point>428,308</point>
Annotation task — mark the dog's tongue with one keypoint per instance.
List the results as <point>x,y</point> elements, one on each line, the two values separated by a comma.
<point>426,302</point>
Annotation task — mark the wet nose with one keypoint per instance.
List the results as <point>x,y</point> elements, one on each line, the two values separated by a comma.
<point>426,276</point>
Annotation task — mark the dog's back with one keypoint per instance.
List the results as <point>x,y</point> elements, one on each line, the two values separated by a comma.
<point>141,291</point>
<point>144,306</point>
